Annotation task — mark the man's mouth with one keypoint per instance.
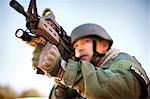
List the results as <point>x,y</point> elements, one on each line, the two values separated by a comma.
<point>84,57</point>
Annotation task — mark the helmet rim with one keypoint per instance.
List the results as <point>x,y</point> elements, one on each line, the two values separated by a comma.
<point>90,29</point>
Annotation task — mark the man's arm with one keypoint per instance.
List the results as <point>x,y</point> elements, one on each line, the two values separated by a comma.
<point>94,82</point>
<point>115,80</point>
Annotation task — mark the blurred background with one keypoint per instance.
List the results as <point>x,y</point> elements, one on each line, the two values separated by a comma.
<point>127,21</point>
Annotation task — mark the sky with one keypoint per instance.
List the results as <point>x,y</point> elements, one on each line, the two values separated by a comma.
<point>127,21</point>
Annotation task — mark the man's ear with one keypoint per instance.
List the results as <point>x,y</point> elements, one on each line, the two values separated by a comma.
<point>104,46</point>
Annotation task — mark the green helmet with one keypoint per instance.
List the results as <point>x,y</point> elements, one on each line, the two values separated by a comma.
<point>90,29</point>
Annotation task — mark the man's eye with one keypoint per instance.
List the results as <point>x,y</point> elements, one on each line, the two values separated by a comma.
<point>87,40</point>
<point>75,46</point>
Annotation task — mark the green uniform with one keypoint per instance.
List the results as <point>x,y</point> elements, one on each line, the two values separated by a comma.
<point>117,78</point>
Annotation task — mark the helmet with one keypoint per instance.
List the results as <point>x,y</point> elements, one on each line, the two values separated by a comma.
<point>90,29</point>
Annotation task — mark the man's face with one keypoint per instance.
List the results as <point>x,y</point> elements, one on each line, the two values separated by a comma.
<point>84,49</point>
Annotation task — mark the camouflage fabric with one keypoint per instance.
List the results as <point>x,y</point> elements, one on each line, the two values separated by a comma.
<point>113,79</point>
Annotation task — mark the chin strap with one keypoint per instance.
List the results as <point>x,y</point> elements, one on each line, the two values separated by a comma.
<point>95,53</point>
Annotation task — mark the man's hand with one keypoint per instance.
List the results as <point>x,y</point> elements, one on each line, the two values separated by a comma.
<point>36,41</point>
<point>48,59</point>
<point>36,55</point>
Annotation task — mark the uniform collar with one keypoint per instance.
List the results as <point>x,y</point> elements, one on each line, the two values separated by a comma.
<point>109,56</point>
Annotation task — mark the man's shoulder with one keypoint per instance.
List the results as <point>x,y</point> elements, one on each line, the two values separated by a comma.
<point>124,61</point>
<point>126,57</point>
<point>123,55</point>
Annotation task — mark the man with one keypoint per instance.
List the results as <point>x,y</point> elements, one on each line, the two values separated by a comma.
<point>97,72</point>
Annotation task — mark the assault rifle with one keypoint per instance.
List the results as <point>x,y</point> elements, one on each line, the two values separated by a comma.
<point>45,27</point>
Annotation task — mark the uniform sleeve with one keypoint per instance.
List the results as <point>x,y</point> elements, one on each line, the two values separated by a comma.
<point>93,82</point>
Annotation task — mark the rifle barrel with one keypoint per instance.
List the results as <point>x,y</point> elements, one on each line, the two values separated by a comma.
<point>14,4</point>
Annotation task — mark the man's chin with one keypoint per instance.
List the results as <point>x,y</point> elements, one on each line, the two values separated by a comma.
<point>85,59</point>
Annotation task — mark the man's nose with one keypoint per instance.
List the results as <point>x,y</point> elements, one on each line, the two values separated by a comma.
<point>81,48</point>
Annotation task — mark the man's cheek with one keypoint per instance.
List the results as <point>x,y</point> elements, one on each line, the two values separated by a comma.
<point>77,54</point>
